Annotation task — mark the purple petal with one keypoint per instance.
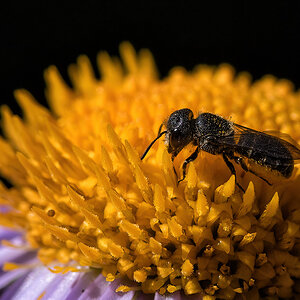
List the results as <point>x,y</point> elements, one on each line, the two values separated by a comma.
<point>8,234</point>
<point>7,277</point>
<point>61,286</point>
<point>8,254</point>
<point>191,297</point>
<point>32,285</point>
<point>101,289</point>
<point>5,208</point>
<point>95,289</point>
<point>110,292</point>
<point>80,285</point>
<point>142,296</point>
<point>173,296</point>
<point>16,255</point>
<point>11,290</point>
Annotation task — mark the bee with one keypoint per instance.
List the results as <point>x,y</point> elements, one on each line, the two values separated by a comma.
<point>261,153</point>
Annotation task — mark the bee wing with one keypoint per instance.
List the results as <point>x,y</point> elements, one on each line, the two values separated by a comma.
<point>288,142</point>
<point>284,139</point>
<point>282,136</point>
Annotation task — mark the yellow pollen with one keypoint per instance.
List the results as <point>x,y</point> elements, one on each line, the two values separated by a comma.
<point>41,295</point>
<point>13,266</point>
<point>84,199</point>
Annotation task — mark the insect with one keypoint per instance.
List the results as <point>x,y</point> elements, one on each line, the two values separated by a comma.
<point>261,153</point>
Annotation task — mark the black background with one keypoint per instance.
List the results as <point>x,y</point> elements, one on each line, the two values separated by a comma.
<point>261,38</point>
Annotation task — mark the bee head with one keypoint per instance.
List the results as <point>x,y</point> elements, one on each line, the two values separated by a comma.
<point>179,130</point>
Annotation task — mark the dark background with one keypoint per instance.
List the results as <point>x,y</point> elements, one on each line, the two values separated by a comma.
<point>260,38</point>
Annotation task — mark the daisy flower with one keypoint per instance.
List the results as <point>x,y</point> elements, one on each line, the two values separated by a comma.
<point>85,218</point>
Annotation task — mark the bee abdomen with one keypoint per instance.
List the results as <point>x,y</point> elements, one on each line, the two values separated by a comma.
<point>266,151</point>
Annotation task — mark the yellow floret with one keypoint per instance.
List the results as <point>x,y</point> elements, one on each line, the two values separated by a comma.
<point>84,198</point>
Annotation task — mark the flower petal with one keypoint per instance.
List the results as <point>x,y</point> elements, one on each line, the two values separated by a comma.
<point>7,277</point>
<point>33,285</point>
<point>101,289</point>
<point>8,234</point>
<point>61,286</point>
<point>110,292</point>
<point>11,290</point>
<point>94,289</point>
<point>80,285</point>
<point>174,296</point>
<point>19,255</point>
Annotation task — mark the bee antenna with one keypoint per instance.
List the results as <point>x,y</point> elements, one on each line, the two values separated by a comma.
<point>148,148</point>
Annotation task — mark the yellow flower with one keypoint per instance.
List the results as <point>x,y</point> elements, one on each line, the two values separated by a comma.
<point>83,197</point>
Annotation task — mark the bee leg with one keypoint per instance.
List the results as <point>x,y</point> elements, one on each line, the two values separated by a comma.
<point>232,170</point>
<point>191,158</point>
<point>240,161</point>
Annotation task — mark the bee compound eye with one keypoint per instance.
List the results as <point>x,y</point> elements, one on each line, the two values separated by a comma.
<point>175,139</point>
